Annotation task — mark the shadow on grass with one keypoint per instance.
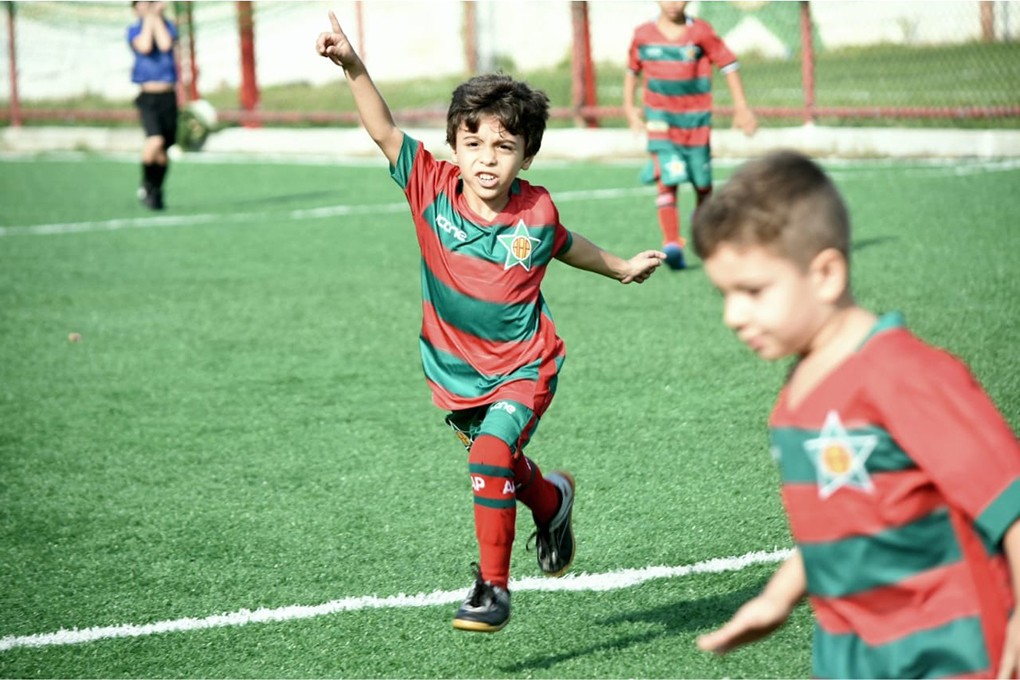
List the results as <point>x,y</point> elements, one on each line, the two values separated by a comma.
<point>868,242</point>
<point>675,618</point>
<point>284,199</point>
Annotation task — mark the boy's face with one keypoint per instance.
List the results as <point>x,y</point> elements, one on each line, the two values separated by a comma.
<point>774,306</point>
<point>674,11</point>
<point>489,161</point>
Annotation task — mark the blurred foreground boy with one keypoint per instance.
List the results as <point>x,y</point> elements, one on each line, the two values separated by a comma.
<point>489,348</point>
<point>901,480</point>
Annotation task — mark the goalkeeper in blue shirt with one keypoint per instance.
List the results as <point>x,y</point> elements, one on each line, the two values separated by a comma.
<point>152,38</point>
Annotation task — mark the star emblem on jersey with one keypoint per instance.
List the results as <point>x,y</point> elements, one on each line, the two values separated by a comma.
<point>839,457</point>
<point>519,247</point>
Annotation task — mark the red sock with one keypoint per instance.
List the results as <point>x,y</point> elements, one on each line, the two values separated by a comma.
<point>669,216</point>
<point>542,497</point>
<point>492,478</point>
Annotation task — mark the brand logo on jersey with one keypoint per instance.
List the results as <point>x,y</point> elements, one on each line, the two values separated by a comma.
<point>839,457</point>
<point>519,247</point>
<point>450,228</point>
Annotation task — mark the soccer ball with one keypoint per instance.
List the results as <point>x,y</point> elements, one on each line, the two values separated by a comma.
<point>195,122</point>
<point>204,112</point>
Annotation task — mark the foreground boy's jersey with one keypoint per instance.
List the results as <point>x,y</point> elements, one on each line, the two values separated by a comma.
<point>677,77</point>
<point>900,479</point>
<point>486,331</point>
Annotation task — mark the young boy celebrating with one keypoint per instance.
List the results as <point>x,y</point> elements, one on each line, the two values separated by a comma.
<point>489,348</point>
<point>673,58</point>
<point>901,480</point>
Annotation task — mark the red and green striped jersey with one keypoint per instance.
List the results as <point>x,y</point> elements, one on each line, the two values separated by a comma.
<point>677,81</point>
<point>900,478</point>
<point>487,333</point>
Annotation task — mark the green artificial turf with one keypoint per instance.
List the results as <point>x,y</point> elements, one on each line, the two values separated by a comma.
<point>244,423</point>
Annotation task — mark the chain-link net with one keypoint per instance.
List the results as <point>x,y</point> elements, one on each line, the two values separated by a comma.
<point>877,62</point>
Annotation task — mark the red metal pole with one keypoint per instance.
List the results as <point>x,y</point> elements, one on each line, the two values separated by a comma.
<point>189,18</point>
<point>249,92</point>
<point>807,61</point>
<point>470,37</point>
<point>359,17</point>
<point>12,60</point>
<point>583,81</point>
<point>987,21</point>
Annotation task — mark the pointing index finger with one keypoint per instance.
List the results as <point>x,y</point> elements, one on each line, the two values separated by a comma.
<point>336,24</point>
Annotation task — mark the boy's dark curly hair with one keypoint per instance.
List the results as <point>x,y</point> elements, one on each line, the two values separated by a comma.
<point>521,109</point>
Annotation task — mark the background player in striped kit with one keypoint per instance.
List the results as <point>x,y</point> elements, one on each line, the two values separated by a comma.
<point>901,479</point>
<point>489,347</point>
<point>672,57</point>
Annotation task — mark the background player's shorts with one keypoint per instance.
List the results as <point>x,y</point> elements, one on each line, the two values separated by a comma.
<point>510,421</point>
<point>159,115</point>
<point>680,164</point>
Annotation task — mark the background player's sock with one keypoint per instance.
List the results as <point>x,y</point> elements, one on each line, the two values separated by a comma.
<point>541,496</point>
<point>669,216</point>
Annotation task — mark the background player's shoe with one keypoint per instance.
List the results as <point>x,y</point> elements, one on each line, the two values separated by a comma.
<point>151,197</point>
<point>555,542</point>
<point>674,256</point>
<point>486,609</point>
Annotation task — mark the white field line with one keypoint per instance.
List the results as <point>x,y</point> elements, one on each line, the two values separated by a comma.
<point>615,580</point>
<point>935,169</point>
<point>303,214</point>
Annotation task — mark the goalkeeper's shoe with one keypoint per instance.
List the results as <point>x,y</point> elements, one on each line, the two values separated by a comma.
<point>486,609</point>
<point>555,541</point>
<point>151,197</point>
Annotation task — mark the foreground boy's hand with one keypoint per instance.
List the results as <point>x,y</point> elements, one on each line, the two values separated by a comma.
<point>1009,664</point>
<point>756,619</point>
<point>641,266</point>
<point>335,46</point>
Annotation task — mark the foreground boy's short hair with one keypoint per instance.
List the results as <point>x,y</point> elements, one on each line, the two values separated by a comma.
<point>783,201</point>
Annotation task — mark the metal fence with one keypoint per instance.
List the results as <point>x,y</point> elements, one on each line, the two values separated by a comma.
<point>828,61</point>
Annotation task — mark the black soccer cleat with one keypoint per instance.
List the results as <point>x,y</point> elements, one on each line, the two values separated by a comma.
<point>555,541</point>
<point>151,197</point>
<point>486,609</point>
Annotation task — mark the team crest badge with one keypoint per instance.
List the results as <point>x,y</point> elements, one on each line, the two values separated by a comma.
<point>839,457</point>
<point>519,247</point>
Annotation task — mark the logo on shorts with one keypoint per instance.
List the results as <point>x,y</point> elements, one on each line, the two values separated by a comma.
<point>504,406</point>
<point>519,247</point>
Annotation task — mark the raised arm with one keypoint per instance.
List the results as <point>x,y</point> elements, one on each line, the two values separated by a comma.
<point>375,114</point>
<point>584,254</point>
